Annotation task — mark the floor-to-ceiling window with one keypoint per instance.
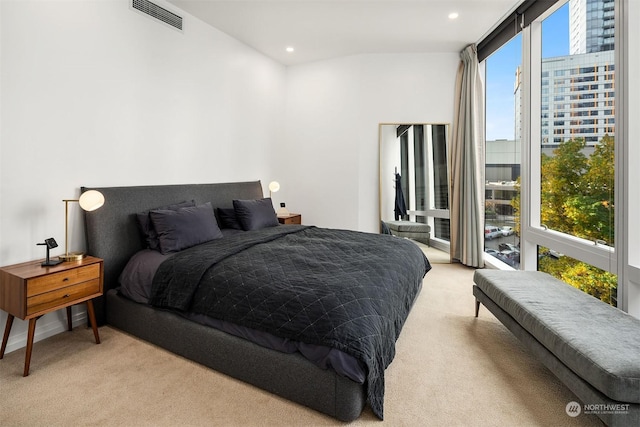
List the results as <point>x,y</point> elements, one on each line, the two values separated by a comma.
<point>564,111</point>
<point>503,95</point>
<point>576,157</point>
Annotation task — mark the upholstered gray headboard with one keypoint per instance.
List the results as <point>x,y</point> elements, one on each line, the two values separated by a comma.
<point>112,232</point>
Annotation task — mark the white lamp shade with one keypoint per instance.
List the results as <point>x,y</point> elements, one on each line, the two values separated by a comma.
<point>274,186</point>
<point>91,200</point>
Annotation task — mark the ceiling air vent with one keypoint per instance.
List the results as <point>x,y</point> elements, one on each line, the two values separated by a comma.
<point>157,12</point>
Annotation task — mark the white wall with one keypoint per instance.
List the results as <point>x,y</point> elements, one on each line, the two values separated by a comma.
<point>328,160</point>
<point>93,93</point>
<point>318,156</point>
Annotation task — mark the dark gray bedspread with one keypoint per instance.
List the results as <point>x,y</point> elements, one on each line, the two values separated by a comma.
<point>343,289</point>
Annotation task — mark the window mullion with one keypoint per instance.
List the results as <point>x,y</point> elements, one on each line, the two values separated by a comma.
<point>530,152</point>
<point>623,227</point>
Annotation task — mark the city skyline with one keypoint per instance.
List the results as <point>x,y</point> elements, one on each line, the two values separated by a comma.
<point>501,69</point>
<point>577,77</point>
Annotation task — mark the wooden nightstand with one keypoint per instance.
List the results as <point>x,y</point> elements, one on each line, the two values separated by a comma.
<point>29,291</point>
<point>290,219</point>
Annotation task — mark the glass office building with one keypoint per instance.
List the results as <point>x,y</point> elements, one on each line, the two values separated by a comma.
<point>591,26</point>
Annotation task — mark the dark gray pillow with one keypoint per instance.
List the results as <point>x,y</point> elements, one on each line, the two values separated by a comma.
<point>146,226</point>
<point>137,276</point>
<point>228,219</point>
<point>184,227</point>
<point>255,214</point>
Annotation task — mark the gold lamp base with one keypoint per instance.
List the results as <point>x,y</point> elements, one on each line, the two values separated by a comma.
<point>72,256</point>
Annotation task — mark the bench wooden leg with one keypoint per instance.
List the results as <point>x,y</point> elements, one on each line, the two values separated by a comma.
<point>477,307</point>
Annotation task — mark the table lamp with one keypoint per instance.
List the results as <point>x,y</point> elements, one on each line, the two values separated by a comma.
<point>274,186</point>
<point>88,201</point>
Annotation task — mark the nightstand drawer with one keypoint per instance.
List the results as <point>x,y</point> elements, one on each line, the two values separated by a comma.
<point>290,219</point>
<point>61,296</point>
<point>63,279</point>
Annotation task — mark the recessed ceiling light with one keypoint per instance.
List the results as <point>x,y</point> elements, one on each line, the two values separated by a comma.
<point>290,49</point>
<point>453,15</point>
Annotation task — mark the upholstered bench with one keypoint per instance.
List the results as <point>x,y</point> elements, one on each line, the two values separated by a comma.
<point>411,230</point>
<point>593,348</point>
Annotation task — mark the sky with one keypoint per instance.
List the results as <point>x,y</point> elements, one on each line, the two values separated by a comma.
<point>501,71</point>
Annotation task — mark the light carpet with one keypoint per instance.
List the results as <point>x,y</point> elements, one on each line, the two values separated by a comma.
<point>435,256</point>
<point>450,369</point>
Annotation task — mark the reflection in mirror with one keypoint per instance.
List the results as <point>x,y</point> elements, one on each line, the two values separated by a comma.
<point>414,191</point>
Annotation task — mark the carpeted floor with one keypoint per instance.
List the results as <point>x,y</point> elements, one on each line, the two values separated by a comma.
<point>451,369</point>
<point>435,256</point>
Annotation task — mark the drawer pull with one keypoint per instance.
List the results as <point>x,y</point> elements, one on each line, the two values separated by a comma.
<point>66,279</point>
<point>66,296</point>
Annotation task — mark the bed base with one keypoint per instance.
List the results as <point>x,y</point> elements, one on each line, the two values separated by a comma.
<point>287,375</point>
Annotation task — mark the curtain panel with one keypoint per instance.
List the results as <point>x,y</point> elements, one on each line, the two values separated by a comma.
<point>467,164</point>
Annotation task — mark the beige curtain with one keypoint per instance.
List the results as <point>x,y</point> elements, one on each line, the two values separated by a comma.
<point>467,164</point>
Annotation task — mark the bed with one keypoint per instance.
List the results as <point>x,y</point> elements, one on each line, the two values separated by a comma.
<point>231,301</point>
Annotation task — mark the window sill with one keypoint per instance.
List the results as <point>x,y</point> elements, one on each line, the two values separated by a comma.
<point>495,264</point>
